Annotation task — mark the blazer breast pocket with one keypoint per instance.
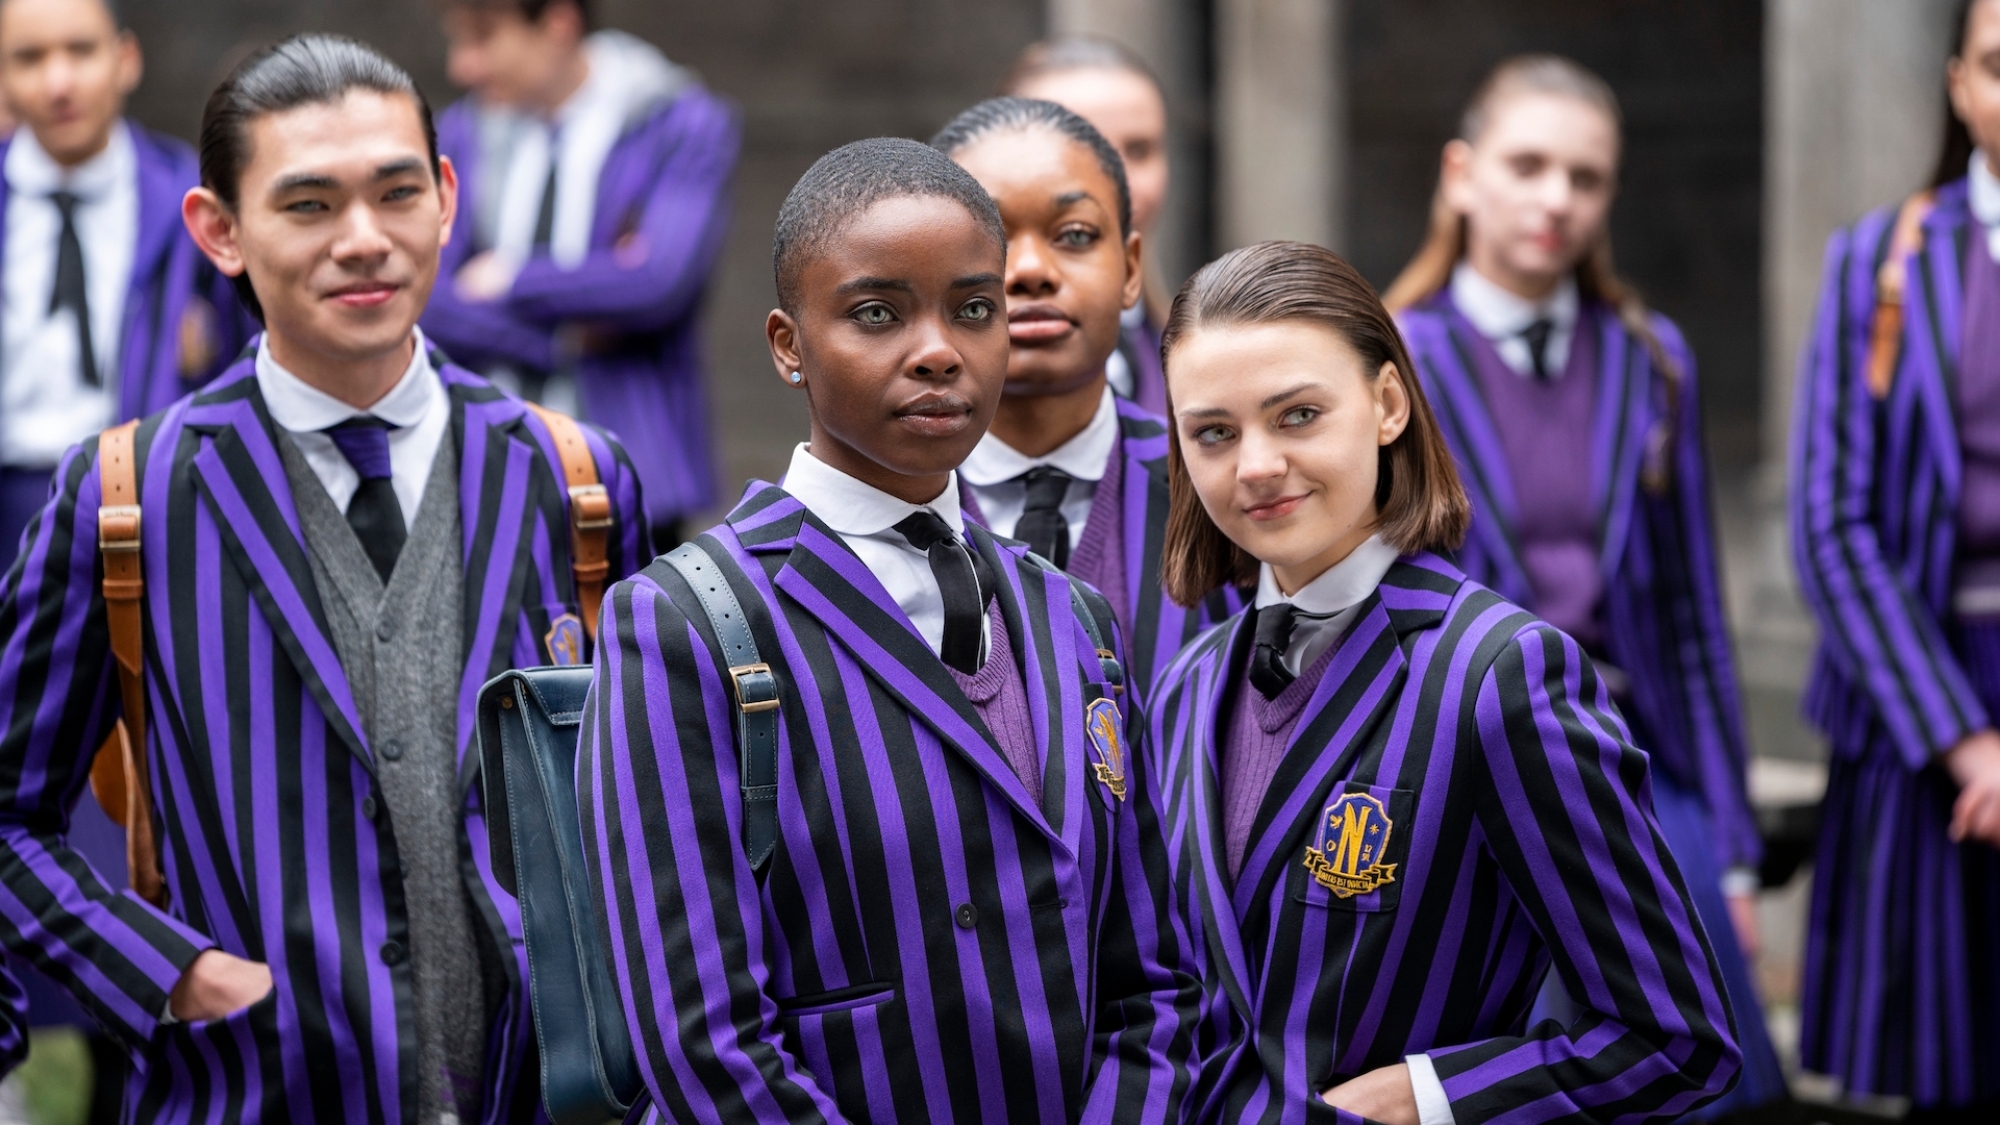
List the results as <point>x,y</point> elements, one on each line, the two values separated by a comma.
<point>1355,857</point>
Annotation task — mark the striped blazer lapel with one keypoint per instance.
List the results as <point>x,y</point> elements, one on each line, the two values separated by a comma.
<point>1933,318</point>
<point>1220,927</point>
<point>1621,430</point>
<point>1366,674</point>
<point>242,480</point>
<point>1463,412</point>
<point>829,582</point>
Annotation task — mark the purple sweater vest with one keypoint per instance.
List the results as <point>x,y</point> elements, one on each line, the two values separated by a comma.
<point>1545,428</point>
<point>1000,694</point>
<point>1257,737</point>
<point>1979,408</point>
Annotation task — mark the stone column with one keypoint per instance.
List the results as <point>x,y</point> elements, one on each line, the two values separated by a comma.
<point>1172,36</point>
<point>1280,121</point>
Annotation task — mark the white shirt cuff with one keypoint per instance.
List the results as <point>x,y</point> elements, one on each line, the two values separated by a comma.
<point>1433,1108</point>
<point>1741,881</point>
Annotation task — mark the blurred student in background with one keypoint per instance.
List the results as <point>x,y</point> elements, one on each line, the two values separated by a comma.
<point>596,178</point>
<point>110,310</point>
<point>1896,524</point>
<point>1110,86</point>
<point>1068,467</point>
<point>1571,409</point>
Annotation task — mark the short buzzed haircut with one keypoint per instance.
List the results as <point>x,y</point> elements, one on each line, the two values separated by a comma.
<point>854,177</point>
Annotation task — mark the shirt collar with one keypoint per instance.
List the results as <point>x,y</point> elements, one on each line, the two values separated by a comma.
<point>1499,314</point>
<point>1983,190</point>
<point>1083,457</point>
<point>30,170</point>
<point>302,408</point>
<point>853,507</point>
<point>1343,586</point>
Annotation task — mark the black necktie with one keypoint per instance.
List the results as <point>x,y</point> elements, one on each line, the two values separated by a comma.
<point>954,566</point>
<point>375,514</point>
<point>1042,526</point>
<point>545,218</point>
<point>1537,337</point>
<point>1268,673</point>
<point>71,293</point>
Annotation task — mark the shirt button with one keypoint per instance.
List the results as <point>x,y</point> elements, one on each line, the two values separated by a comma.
<point>385,632</point>
<point>392,953</point>
<point>368,808</point>
<point>392,750</point>
<point>968,916</point>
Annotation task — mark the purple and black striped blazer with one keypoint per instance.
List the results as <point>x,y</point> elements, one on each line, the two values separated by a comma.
<point>1519,833</point>
<point>1155,627</point>
<point>1874,501</point>
<point>1664,624</point>
<point>929,942</point>
<point>263,778</point>
<point>662,213</point>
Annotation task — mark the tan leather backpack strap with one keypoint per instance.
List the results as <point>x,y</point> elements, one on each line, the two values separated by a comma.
<point>118,543</point>
<point>589,514</point>
<point>1886,333</point>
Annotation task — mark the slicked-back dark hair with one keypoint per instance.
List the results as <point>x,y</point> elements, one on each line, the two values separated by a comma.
<point>301,71</point>
<point>855,177</point>
<point>1955,146</point>
<point>1011,114</point>
<point>530,10</point>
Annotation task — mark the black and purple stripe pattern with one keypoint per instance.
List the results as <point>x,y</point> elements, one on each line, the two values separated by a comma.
<point>1523,838</point>
<point>271,838</point>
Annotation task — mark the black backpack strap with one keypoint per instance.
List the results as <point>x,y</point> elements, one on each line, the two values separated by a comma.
<point>1095,613</point>
<point>756,697</point>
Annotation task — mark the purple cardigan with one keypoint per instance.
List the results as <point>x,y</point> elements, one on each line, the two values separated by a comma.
<point>175,294</point>
<point>1662,613</point>
<point>662,212</point>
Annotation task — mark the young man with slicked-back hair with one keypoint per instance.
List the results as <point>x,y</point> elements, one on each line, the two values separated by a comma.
<point>340,540</point>
<point>596,176</point>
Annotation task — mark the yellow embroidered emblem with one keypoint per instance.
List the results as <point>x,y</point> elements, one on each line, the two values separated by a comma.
<point>565,640</point>
<point>1105,726</point>
<point>1352,841</point>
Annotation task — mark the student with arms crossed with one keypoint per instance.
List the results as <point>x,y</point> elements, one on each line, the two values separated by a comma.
<point>340,540</point>
<point>1401,799</point>
<point>1107,84</point>
<point>1896,532</point>
<point>1572,411</point>
<point>964,915</point>
<point>596,176</point>
<point>1068,467</point>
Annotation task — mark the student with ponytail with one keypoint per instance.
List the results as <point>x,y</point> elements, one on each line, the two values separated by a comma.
<point>1896,530</point>
<point>1571,410</point>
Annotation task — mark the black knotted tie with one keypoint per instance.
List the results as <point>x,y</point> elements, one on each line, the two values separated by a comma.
<point>545,215</point>
<point>1536,336</point>
<point>1042,526</point>
<point>956,568</point>
<point>71,292</point>
<point>1268,673</point>
<point>375,514</point>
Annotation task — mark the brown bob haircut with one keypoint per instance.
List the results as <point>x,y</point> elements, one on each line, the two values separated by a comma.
<point>1420,503</point>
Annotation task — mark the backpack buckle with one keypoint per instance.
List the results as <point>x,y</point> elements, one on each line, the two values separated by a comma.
<point>756,688</point>
<point>589,507</point>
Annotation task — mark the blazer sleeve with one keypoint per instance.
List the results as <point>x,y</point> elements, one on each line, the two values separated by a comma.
<point>1565,806</point>
<point>116,954</point>
<point>656,275</point>
<point>657,786</point>
<point>1707,662</point>
<point>1876,626</point>
<point>1150,994</point>
<point>481,333</point>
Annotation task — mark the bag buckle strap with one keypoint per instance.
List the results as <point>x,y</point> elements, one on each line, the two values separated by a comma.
<point>589,507</point>
<point>118,528</point>
<point>756,688</point>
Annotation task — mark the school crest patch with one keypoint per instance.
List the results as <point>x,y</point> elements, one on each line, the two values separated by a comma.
<point>1106,729</point>
<point>565,640</point>
<point>1354,836</point>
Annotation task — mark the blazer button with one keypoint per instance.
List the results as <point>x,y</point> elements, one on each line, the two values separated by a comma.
<point>392,953</point>
<point>385,632</point>
<point>392,750</point>
<point>368,808</point>
<point>968,916</point>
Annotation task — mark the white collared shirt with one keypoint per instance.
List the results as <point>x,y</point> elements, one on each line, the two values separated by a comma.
<point>1328,604</point>
<point>45,404</point>
<point>993,472</point>
<point>625,74</point>
<point>1117,372</point>
<point>865,518</point>
<point>1502,316</point>
<point>417,405</point>
<point>1983,196</point>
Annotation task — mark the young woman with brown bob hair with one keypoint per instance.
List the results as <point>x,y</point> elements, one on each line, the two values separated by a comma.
<point>1397,798</point>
